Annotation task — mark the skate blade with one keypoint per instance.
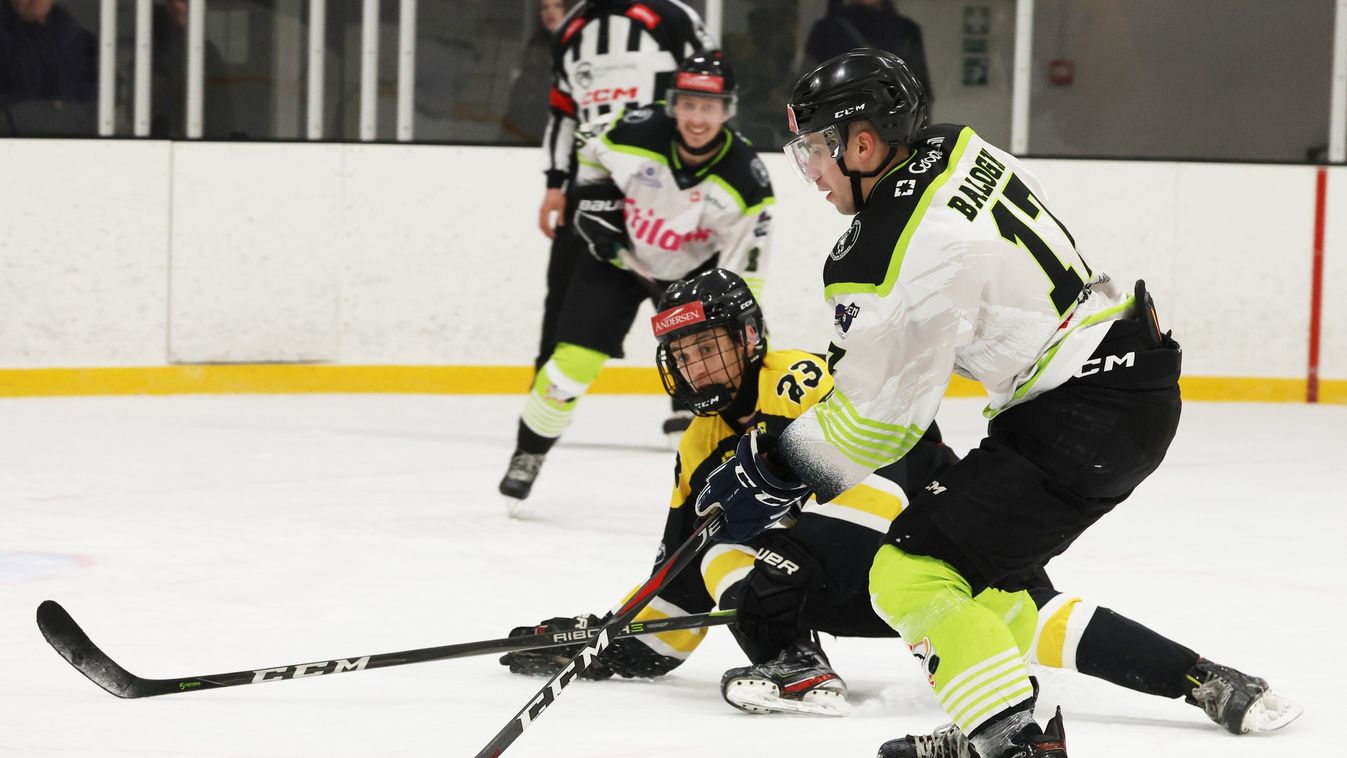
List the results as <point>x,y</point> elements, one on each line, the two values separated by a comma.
<point>763,701</point>
<point>1271,712</point>
<point>517,509</point>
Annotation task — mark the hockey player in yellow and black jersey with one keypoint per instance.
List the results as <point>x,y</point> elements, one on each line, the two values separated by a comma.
<point>810,574</point>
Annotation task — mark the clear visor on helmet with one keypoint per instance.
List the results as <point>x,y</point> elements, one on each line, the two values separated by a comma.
<point>688,104</point>
<point>809,153</point>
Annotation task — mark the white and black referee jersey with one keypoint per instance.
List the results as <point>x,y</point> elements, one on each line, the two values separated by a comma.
<point>609,55</point>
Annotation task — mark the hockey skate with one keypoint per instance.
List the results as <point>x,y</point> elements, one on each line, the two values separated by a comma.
<point>1237,701</point>
<point>949,742</point>
<point>945,742</point>
<point>799,680</point>
<point>518,480</point>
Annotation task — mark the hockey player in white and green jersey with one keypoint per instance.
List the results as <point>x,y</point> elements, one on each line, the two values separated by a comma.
<point>663,193</point>
<point>954,264</point>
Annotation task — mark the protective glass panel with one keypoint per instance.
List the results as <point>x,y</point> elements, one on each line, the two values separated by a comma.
<point>1216,79</point>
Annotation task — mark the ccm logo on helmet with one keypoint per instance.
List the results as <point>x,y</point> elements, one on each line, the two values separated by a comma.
<point>679,316</point>
<point>848,111</point>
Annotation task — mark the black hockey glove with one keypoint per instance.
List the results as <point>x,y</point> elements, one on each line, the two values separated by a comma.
<point>548,661</point>
<point>753,491</point>
<point>770,608</point>
<point>600,220</point>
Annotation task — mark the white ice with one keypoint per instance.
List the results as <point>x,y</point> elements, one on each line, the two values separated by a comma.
<point>195,535</point>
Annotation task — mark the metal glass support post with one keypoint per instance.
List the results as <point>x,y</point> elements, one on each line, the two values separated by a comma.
<point>196,66</point>
<point>715,19</point>
<point>144,57</point>
<point>1019,92</point>
<point>317,63</point>
<point>369,71</point>
<point>406,70</point>
<point>1337,112</point>
<point>107,67</point>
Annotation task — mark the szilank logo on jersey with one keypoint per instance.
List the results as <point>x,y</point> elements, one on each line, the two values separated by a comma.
<point>843,316</point>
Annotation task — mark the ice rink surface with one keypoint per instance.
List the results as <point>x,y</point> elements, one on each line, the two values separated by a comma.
<point>194,535</point>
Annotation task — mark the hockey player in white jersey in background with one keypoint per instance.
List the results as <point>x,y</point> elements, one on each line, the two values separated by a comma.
<point>607,56</point>
<point>666,191</point>
<point>954,263</point>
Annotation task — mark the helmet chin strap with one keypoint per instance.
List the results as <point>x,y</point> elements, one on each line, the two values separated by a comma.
<point>857,176</point>
<point>709,147</point>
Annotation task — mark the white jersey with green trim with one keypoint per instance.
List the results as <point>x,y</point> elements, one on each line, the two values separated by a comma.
<point>679,217</point>
<point>956,266</point>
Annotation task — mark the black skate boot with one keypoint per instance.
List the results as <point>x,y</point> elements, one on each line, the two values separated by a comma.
<point>1040,743</point>
<point>945,742</point>
<point>799,680</point>
<point>949,742</point>
<point>1237,701</point>
<point>518,480</point>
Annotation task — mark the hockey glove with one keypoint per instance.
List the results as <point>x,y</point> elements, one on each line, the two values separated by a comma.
<point>549,661</point>
<point>770,607</point>
<point>753,492</point>
<point>600,220</point>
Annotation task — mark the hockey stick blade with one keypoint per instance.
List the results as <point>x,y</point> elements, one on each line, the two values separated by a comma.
<point>74,645</point>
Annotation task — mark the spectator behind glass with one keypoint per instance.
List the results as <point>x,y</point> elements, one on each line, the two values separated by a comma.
<point>168,79</point>
<point>525,118</point>
<point>850,24</point>
<point>48,70</point>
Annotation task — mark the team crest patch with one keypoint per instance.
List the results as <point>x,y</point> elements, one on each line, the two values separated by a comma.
<point>638,115</point>
<point>925,655</point>
<point>847,241</point>
<point>843,316</point>
<point>760,172</point>
<point>584,74</point>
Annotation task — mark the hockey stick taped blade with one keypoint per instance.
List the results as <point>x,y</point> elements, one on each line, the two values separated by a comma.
<point>68,639</point>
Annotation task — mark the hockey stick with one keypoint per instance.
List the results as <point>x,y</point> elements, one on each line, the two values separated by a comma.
<point>75,646</point>
<point>684,556</point>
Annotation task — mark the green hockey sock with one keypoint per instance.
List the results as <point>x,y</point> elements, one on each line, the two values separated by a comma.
<point>971,657</point>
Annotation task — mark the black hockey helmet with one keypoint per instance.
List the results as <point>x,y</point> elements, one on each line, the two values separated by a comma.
<point>693,308</point>
<point>707,75</point>
<point>861,84</point>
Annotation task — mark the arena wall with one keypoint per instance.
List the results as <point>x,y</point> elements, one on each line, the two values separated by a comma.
<point>143,266</point>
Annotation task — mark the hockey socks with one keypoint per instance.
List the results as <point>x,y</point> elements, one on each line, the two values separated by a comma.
<point>1097,642</point>
<point>970,655</point>
<point>556,390</point>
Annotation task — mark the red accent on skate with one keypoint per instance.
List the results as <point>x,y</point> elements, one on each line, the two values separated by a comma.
<point>809,683</point>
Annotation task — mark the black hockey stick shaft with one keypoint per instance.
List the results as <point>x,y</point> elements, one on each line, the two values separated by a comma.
<point>75,646</point>
<point>684,556</point>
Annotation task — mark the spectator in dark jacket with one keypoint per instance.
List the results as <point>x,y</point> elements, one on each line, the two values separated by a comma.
<point>168,79</point>
<point>48,71</point>
<point>45,54</point>
<point>525,117</point>
<point>850,24</point>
